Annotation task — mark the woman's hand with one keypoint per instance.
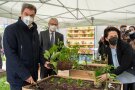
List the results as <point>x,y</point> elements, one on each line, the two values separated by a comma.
<point>103,77</point>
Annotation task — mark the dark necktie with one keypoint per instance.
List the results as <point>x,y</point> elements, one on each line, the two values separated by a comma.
<point>52,38</point>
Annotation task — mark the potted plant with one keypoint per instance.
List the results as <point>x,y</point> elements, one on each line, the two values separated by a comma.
<point>52,55</point>
<point>62,57</point>
<point>67,57</point>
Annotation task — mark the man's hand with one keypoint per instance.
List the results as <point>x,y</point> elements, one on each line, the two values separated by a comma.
<point>103,77</point>
<point>30,80</point>
<point>46,65</point>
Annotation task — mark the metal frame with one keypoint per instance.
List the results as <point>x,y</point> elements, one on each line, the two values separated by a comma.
<point>69,10</point>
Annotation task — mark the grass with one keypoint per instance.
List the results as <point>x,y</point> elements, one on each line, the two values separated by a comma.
<point>3,57</point>
<point>4,84</point>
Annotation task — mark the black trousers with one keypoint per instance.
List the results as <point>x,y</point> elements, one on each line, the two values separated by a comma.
<point>15,87</point>
<point>130,86</point>
<point>0,62</point>
<point>18,86</point>
<point>44,72</point>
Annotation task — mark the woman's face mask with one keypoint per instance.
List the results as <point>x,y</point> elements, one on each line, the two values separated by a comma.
<point>131,32</point>
<point>113,40</point>
<point>28,20</point>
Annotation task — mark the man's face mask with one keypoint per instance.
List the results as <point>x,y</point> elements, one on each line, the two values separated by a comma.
<point>131,32</point>
<point>53,28</point>
<point>28,20</point>
<point>113,40</point>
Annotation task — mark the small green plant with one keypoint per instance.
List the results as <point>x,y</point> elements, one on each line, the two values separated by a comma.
<point>68,56</point>
<point>61,80</point>
<point>60,53</point>
<point>70,81</point>
<point>52,53</point>
<point>79,82</point>
<point>3,57</point>
<point>52,80</point>
<point>105,70</point>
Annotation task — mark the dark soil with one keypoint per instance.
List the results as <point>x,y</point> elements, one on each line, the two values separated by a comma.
<point>64,65</point>
<point>90,68</point>
<point>59,83</point>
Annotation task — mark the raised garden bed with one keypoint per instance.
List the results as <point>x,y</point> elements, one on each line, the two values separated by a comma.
<point>65,83</point>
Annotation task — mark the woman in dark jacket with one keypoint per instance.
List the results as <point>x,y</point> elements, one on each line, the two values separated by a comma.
<point>120,55</point>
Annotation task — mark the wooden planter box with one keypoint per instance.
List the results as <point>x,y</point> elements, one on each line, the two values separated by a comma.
<point>93,66</point>
<point>48,84</point>
<point>84,71</point>
<point>90,75</point>
<point>2,73</point>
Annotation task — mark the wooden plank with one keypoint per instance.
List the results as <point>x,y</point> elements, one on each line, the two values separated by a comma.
<point>90,75</point>
<point>97,65</point>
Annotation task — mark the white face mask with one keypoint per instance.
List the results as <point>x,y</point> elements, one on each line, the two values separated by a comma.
<point>131,32</point>
<point>53,28</point>
<point>28,20</point>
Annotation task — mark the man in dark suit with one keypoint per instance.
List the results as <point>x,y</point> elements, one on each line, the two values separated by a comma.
<point>22,49</point>
<point>47,39</point>
<point>121,56</point>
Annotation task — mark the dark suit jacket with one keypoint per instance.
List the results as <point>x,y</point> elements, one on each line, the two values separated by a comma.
<point>45,39</point>
<point>126,58</point>
<point>22,50</point>
<point>46,45</point>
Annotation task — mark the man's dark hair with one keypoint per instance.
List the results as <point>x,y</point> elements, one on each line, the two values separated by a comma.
<point>29,6</point>
<point>123,26</point>
<point>132,27</point>
<point>109,29</point>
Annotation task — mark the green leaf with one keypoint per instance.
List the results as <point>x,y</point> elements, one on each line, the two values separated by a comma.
<point>55,56</point>
<point>47,55</point>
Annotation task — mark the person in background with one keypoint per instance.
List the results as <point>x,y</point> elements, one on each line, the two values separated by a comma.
<point>120,54</point>
<point>22,49</point>
<point>132,36</point>
<point>132,28</point>
<point>123,28</point>
<point>47,39</point>
<point>126,36</point>
<point>101,48</point>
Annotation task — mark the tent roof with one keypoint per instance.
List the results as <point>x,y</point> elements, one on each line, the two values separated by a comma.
<point>75,12</point>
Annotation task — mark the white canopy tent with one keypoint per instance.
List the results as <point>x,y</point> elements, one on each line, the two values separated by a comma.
<point>75,12</point>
